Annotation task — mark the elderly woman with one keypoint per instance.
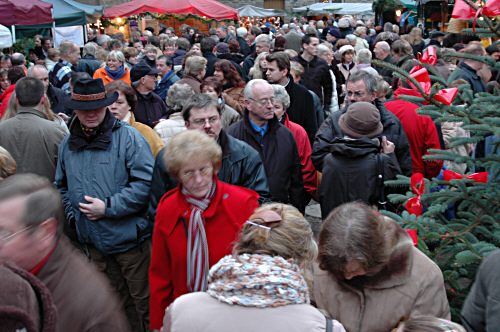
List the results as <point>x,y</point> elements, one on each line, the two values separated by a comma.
<point>196,223</point>
<point>115,69</point>
<point>309,174</point>
<point>213,87</point>
<point>178,96</point>
<point>233,85</point>
<point>123,109</point>
<point>370,276</point>
<point>195,67</point>
<point>260,286</point>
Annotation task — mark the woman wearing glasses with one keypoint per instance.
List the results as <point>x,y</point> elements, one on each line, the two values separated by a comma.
<point>196,223</point>
<point>260,286</point>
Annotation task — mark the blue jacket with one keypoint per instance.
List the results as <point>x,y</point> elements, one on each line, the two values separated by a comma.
<point>121,177</point>
<point>166,82</point>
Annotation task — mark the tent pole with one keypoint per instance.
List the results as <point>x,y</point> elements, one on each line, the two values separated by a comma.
<point>85,36</point>
<point>13,34</point>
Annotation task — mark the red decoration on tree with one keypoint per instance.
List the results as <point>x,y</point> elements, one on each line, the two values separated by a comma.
<point>429,56</point>
<point>414,205</point>
<point>481,177</point>
<point>413,234</point>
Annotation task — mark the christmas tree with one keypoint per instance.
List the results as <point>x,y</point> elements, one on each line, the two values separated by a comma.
<point>456,216</point>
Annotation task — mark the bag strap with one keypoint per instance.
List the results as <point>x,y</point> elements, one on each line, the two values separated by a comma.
<point>380,182</point>
<point>329,325</point>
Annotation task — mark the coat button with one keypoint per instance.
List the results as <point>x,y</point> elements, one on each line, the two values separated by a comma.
<point>225,196</point>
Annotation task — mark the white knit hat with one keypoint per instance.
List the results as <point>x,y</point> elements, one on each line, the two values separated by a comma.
<point>346,48</point>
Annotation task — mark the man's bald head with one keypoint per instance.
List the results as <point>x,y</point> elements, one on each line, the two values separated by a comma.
<point>41,73</point>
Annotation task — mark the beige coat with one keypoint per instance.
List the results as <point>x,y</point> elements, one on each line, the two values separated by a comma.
<point>235,98</point>
<point>409,286</point>
<point>202,313</point>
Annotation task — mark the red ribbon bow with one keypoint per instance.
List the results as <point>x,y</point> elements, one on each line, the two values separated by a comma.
<point>463,11</point>
<point>413,235</point>
<point>429,56</point>
<point>421,75</point>
<point>414,205</point>
<point>481,177</point>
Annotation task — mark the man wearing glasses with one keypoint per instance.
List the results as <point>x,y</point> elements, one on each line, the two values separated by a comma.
<point>261,130</point>
<point>150,107</point>
<point>31,227</point>
<point>241,164</point>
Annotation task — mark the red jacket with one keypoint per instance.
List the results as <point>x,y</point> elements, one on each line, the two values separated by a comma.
<point>309,174</point>
<point>422,135</point>
<point>4,99</point>
<point>226,214</point>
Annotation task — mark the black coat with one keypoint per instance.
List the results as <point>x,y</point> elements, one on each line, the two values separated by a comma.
<point>279,153</point>
<point>301,108</point>
<point>393,130</point>
<point>150,109</point>
<point>317,78</point>
<point>465,72</point>
<point>211,60</point>
<point>241,165</point>
<point>88,64</point>
<point>350,173</point>
<point>57,100</point>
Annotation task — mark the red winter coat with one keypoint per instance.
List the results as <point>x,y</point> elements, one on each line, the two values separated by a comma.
<point>309,174</point>
<point>226,214</point>
<point>4,99</point>
<point>422,136</point>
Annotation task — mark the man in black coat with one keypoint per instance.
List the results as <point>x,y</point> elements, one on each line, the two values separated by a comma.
<point>56,96</point>
<point>241,164</point>
<point>468,68</point>
<point>207,46</point>
<point>261,129</point>
<point>301,108</point>
<point>361,87</point>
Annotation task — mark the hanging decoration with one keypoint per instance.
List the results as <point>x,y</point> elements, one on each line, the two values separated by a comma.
<point>414,205</point>
<point>481,177</point>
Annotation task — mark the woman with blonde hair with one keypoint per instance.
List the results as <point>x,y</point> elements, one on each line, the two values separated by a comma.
<point>7,164</point>
<point>259,68</point>
<point>370,276</point>
<point>260,287</point>
<point>416,40</point>
<point>196,223</point>
<point>115,69</point>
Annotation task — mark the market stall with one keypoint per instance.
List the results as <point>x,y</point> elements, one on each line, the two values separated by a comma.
<point>25,16</point>
<point>253,11</point>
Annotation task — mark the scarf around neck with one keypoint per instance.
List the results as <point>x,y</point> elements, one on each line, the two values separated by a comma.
<point>115,74</point>
<point>197,245</point>
<point>255,280</point>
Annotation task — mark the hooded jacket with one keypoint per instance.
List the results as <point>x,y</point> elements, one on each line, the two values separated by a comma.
<point>393,130</point>
<point>119,175</point>
<point>350,173</point>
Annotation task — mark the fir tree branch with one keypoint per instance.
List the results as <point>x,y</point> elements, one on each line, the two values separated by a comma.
<point>486,18</point>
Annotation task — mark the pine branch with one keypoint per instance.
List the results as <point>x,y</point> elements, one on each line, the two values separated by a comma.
<point>486,18</point>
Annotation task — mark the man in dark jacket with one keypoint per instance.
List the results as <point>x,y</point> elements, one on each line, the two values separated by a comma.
<point>301,108</point>
<point>382,51</point>
<point>361,86</point>
<point>261,129</point>
<point>207,46</point>
<point>56,96</point>
<point>316,75</point>
<point>31,220</point>
<point>241,164</point>
<point>165,66</point>
<point>88,63</point>
<point>104,175</point>
<point>468,68</point>
<point>150,107</point>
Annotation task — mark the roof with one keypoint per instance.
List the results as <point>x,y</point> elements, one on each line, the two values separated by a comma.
<point>250,10</point>
<point>25,12</point>
<point>338,8</point>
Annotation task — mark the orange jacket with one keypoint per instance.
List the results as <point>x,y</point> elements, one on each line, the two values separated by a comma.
<point>101,73</point>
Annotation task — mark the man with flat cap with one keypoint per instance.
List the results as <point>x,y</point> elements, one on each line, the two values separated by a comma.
<point>104,176</point>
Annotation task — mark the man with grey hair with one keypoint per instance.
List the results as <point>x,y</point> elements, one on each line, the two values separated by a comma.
<point>252,34</point>
<point>241,36</point>
<point>361,86</point>
<point>56,96</point>
<point>293,38</point>
<point>382,51</point>
<point>150,107</point>
<point>61,73</point>
<point>261,129</point>
<point>364,62</point>
<point>18,60</point>
<point>262,44</point>
<point>361,42</point>
<point>88,63</point>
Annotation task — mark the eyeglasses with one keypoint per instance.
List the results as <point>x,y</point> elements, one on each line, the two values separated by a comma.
<point>263,102</point>
<point>6,236</point>
<point>205,171</point>
<point>201,122</point>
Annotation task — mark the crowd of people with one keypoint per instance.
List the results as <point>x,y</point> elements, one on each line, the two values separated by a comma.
<point>162,181</point>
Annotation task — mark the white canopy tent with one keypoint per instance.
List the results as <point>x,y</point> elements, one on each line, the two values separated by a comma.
<point>5,37</point>
<point>254,11</point>
<point>337,8</point>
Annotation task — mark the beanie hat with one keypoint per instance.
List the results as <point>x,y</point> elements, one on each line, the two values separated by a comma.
<point>361,119</point>
<point>346,48</point>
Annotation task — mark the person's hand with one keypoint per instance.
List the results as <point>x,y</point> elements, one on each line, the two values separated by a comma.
<point>94,210</point>
<point>64,117</point>
<point>387,146</point>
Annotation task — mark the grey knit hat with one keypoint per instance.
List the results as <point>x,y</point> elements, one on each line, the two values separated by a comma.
<point>361,119</point>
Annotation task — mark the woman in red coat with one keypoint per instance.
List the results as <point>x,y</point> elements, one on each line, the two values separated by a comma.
<point>196,223</point>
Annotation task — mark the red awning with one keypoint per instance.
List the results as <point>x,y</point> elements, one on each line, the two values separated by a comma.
<point>208,8</point>
<point>25,12</point>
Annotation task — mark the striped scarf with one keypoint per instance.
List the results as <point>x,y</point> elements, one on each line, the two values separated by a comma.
<point>197,246</point>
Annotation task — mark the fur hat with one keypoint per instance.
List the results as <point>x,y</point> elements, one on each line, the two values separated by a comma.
<point>361,119</point>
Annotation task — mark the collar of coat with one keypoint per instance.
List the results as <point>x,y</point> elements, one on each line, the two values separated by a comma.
<point>273,125</point>
<point>30,110</point>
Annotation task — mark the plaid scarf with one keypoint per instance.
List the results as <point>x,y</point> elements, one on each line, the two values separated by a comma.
<point>197,246</point>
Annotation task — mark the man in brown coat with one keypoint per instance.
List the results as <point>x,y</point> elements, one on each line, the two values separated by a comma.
<point>31,236</point>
